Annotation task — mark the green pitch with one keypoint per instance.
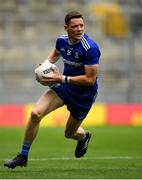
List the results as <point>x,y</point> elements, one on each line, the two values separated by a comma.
<point>114,153</point>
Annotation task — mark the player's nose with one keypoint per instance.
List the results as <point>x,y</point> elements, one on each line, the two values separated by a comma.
<point>79,28</point>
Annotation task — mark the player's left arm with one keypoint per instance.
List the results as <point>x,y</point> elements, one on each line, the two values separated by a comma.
<point>90,75</point>
<point>91,68</point>
<point>88,78</point>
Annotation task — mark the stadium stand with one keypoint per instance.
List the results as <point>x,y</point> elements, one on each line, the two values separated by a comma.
<point>28,30</point>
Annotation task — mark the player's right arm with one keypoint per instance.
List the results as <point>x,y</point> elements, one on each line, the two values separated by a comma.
<point>53,56</point>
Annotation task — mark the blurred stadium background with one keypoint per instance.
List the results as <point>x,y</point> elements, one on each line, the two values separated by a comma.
<point>28,29</point>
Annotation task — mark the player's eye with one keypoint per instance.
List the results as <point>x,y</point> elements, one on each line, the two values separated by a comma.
<point>77,26</point>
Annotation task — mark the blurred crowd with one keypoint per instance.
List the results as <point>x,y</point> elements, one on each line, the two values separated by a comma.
<point>28,30</point>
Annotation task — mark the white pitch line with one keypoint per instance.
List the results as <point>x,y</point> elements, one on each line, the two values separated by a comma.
<point>85,158</point>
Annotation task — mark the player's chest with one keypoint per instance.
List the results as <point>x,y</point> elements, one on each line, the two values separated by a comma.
<point>71,53</point>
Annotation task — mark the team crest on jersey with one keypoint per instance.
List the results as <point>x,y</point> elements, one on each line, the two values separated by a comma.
<point>76,55</point>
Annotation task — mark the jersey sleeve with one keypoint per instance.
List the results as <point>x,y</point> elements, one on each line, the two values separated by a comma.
<point>58,44</point>
<point>92,56</point>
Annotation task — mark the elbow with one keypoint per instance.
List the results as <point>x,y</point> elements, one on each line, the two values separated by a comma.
<point>91,81</point>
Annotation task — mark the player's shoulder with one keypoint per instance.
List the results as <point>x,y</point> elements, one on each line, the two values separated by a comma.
<point>87,42</point>
<point>63,37</point>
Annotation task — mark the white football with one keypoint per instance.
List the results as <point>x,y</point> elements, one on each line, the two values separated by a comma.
<point>45,69</point>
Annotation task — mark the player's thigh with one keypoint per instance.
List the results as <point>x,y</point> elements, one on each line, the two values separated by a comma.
<point>48,102</point>
<point>72,126</point>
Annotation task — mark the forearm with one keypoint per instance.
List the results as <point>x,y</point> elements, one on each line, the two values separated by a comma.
<point>88,79</point>
<point>80,80</point>
<point>53,56</point>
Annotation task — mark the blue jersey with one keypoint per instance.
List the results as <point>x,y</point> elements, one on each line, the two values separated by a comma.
<point>76,57</point>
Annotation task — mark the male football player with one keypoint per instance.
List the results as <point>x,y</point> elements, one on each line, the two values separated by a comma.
<point>76,88</point>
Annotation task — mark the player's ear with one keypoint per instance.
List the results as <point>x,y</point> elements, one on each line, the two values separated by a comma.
<point>66,27</point>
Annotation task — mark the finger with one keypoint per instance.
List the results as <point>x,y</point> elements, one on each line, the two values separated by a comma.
<point>37,78</point>
<point>55,69</point>
<point>44,83</point>
<point>40,63</point>
<point>46,77</point>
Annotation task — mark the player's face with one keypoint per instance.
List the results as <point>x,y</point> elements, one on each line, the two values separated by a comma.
<point>75,29</point>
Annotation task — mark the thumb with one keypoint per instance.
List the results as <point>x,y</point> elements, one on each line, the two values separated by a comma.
<point>55,69</point>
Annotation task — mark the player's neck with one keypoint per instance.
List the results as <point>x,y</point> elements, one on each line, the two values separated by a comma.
<point>73,41</point>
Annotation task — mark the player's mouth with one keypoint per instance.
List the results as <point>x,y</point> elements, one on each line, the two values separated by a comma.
<point>79,35</point>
